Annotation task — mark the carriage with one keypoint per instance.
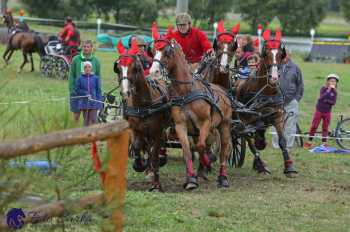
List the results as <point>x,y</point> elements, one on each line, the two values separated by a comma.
<point>55,64</point>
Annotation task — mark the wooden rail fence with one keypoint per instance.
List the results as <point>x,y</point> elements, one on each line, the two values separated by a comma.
<point>117,136</point>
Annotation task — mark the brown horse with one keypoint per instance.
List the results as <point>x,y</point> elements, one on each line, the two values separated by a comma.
<point>260,93</point>
<point>145,108</point>
<point>217,69</point>
<point>28,42</point>
<point>197,109</point>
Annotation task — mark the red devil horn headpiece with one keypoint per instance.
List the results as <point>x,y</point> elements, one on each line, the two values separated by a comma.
<point>266,34</point>
<point>155,33</point>
<point>278,35</point>
<point>236,28</point>
<point>134,49</point>
<point>120,47</point>
<point>221,27</point>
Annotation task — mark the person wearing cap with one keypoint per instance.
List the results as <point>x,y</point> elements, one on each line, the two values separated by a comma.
<point>88,88</point>
<point>325,102</point>
<point>70,36</point>
<point>77,69</point>
<point>21,25</point>
<point>193,41</point>
<point>292,88</point>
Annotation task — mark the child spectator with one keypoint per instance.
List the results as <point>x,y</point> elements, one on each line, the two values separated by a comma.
<point>88,86</point>
<point>328,98</point>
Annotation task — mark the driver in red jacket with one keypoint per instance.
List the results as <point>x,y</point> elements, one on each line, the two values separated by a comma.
<point>193,41</point>
<point>69,36</point>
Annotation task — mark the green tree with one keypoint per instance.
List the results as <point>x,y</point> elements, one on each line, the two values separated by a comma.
<point>345,8</point>
<point>296,16</point>
<point>209,11</point>
<point>57,9</point>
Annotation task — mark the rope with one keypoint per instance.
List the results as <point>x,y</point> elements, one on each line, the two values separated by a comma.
<point>314,136</point>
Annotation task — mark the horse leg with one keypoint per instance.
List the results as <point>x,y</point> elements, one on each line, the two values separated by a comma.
<point>9,56</point>
<point>191,180</point>
<point>259,165</point>
<point>4,56</point>
<point>139,162</point>
<point>204,160</point>
<point>25,60</point>
<point>31,61</point>
<point>289,169</point>
<point>225,133</point>
<point>154,166</point>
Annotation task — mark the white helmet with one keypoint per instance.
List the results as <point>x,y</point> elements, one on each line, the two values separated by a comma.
<point>332,75</point>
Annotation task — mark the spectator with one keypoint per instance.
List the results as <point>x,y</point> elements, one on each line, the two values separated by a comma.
<point>292,87</point>
<point>253,62</point>
<point>328,98</point>
<point>247,44</point>
<point>240,64</point>
<point>76,69</point>
<point>193,41</point>
<point>70,37</point>
<point>88,87</point>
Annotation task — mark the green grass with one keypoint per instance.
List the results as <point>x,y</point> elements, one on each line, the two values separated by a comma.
<point>318,200</point>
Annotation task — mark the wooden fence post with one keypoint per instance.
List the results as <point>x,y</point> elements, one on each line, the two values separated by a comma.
<point>115,182</point>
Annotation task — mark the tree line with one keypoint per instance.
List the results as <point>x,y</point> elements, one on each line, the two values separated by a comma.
<point>295,16</point>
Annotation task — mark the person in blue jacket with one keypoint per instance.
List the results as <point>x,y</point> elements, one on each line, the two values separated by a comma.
<point>88,88</point>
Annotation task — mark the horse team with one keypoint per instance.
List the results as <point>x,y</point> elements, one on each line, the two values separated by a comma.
<point>197,104</point>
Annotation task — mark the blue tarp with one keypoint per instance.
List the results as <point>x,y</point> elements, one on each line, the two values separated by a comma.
<point>327,149</point>
<point>111,40</point>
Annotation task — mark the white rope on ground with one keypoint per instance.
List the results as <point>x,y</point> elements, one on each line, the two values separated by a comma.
<point>56,100</point>
<point>314,136</point>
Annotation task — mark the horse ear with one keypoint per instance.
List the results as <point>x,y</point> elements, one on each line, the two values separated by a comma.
<point>221,27</point>
<point>284,52</point>
<point>236,28</point>
<point>133,48</point>
<point>266,34</point>
<point>155,33</point>
<point>120,47</point>
<point>278,34</point>
<point>215,44</point>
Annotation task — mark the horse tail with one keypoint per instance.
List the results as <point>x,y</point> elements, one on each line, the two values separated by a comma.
<point>39,45</point>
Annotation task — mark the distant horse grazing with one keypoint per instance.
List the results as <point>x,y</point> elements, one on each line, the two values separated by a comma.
<point>145,108</point>
<point>28,42</point>
<point>217,70</point>
<point>197,109</point>
<point>261,94</point>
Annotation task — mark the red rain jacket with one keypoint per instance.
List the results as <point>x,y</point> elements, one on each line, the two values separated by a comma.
<point>194,44</point>
<point>69,35</point>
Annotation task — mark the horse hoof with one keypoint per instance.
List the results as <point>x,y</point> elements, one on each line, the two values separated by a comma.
<point>139,165</point>
<point>191,183</point>
<point>163,160</point>
<point>203,172</point>
<point>19,70</point>
<point>289,169</point>
<point>260,166</point>
<point>212,157</point>
<point>223,182</point>
<point>156,188</point>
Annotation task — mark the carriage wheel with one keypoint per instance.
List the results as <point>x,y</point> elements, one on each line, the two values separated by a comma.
<point>237,155</point>
<point>299,139</point>
<point>61,69</point>
<point>47,66</point>
<point>342,132</point>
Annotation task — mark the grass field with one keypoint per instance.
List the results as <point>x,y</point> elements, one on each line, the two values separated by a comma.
<point>318,200</point>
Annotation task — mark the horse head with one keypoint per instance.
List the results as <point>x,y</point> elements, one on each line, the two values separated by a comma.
<point>273,54</point>
<point>164,58</point>
<point>8,19</point>
<point>225,45</point>
<point>129,68</point>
